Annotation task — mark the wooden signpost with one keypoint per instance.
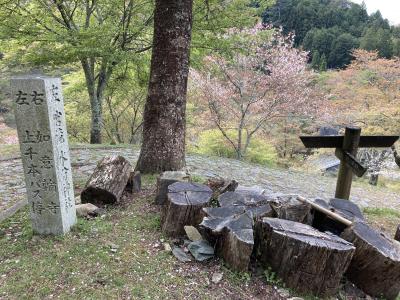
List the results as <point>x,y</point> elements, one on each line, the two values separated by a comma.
<point>346,150</point>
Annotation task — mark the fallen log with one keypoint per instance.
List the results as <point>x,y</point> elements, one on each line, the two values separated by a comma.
<point>375,267</point>
<point>306,259</point>
<point>166,179</point>
<point>107,182</point>
<point>184,205</point>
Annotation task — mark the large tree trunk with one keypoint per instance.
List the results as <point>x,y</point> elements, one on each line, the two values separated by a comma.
<point>163,147</point>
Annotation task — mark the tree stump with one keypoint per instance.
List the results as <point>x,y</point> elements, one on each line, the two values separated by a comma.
<point>164,180</point>
<point>221,185</point>
<point>184,207</point>
<point>344,208</point>
<point>230,229</point>
<point>134,184</point>
<point>287,207</point>
<point>306,259</point>
<point>107,182</point>
<point>397,235</point>
<point>255,204</point>
<point>375,267</point>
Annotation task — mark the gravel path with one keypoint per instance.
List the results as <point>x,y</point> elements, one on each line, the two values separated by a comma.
<point>12,187</point>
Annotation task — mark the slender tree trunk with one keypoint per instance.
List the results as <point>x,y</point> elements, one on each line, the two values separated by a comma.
<point>95,105</point>
<point>163,145</point>
<point>239,147</point>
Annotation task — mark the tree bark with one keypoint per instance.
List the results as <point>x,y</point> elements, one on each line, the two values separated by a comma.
<point>375,267</point>
<point>306,259</point>
<point>108,181</point>
<point>184,207</point>
<point>164,180</point>
<point>230,231</point>
<point>163,147</point>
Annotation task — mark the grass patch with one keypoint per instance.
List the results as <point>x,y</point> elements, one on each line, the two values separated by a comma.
<point>382,212</point>
<point>81,264</point>
<point>8,151</point>
<point>85,265</point>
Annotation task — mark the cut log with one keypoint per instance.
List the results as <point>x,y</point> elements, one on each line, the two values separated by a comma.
<point>344,208</point>
<point>230,227</point>
<point>107,182</point>
<point>397,235</point>
<point>164,180</point>
<point>221,185</point>
<point>230,230</point>
<point>288,207</point>
<point>255,204</point>
<point>253,190</point>
<point>134,184</point>
<point>306,259</point>
<point>375,267</point>
<point>184,207</point>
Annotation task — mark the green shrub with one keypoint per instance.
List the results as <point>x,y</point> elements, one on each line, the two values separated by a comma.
<point>212,142</point>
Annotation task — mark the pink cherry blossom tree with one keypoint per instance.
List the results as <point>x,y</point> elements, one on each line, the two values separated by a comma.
<point>268,80</point>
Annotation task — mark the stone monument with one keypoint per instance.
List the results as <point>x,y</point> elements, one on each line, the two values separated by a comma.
<point>40,118</point>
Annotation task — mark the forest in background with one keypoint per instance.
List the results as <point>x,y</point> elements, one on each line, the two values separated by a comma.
<point>330,29</point>
<point>246,99</point>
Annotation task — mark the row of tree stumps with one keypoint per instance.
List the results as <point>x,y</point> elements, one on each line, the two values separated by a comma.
<point>309,250</point>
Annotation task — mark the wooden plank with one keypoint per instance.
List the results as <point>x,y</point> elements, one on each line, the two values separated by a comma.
<point>337,141</point>
<point>333,141</point>
<point>377,141</point>
<point>351,162</point>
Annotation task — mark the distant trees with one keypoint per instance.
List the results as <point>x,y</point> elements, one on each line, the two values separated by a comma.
<point>268,80</point>
<point>379,39</point>
<point>97,35</point>
<point>367,93</point>
<point>334,28</point>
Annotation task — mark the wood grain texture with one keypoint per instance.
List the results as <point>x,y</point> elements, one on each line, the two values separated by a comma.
<point>184,207</point>
<point>306,259</point>
<point>375,267</point>
<point>230,229</point>
<point>108,181</point>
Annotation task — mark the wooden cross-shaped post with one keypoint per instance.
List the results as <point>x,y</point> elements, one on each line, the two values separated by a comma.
<point>346,150</point>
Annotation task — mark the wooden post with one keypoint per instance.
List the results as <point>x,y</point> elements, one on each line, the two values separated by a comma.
<point>350,144</point>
